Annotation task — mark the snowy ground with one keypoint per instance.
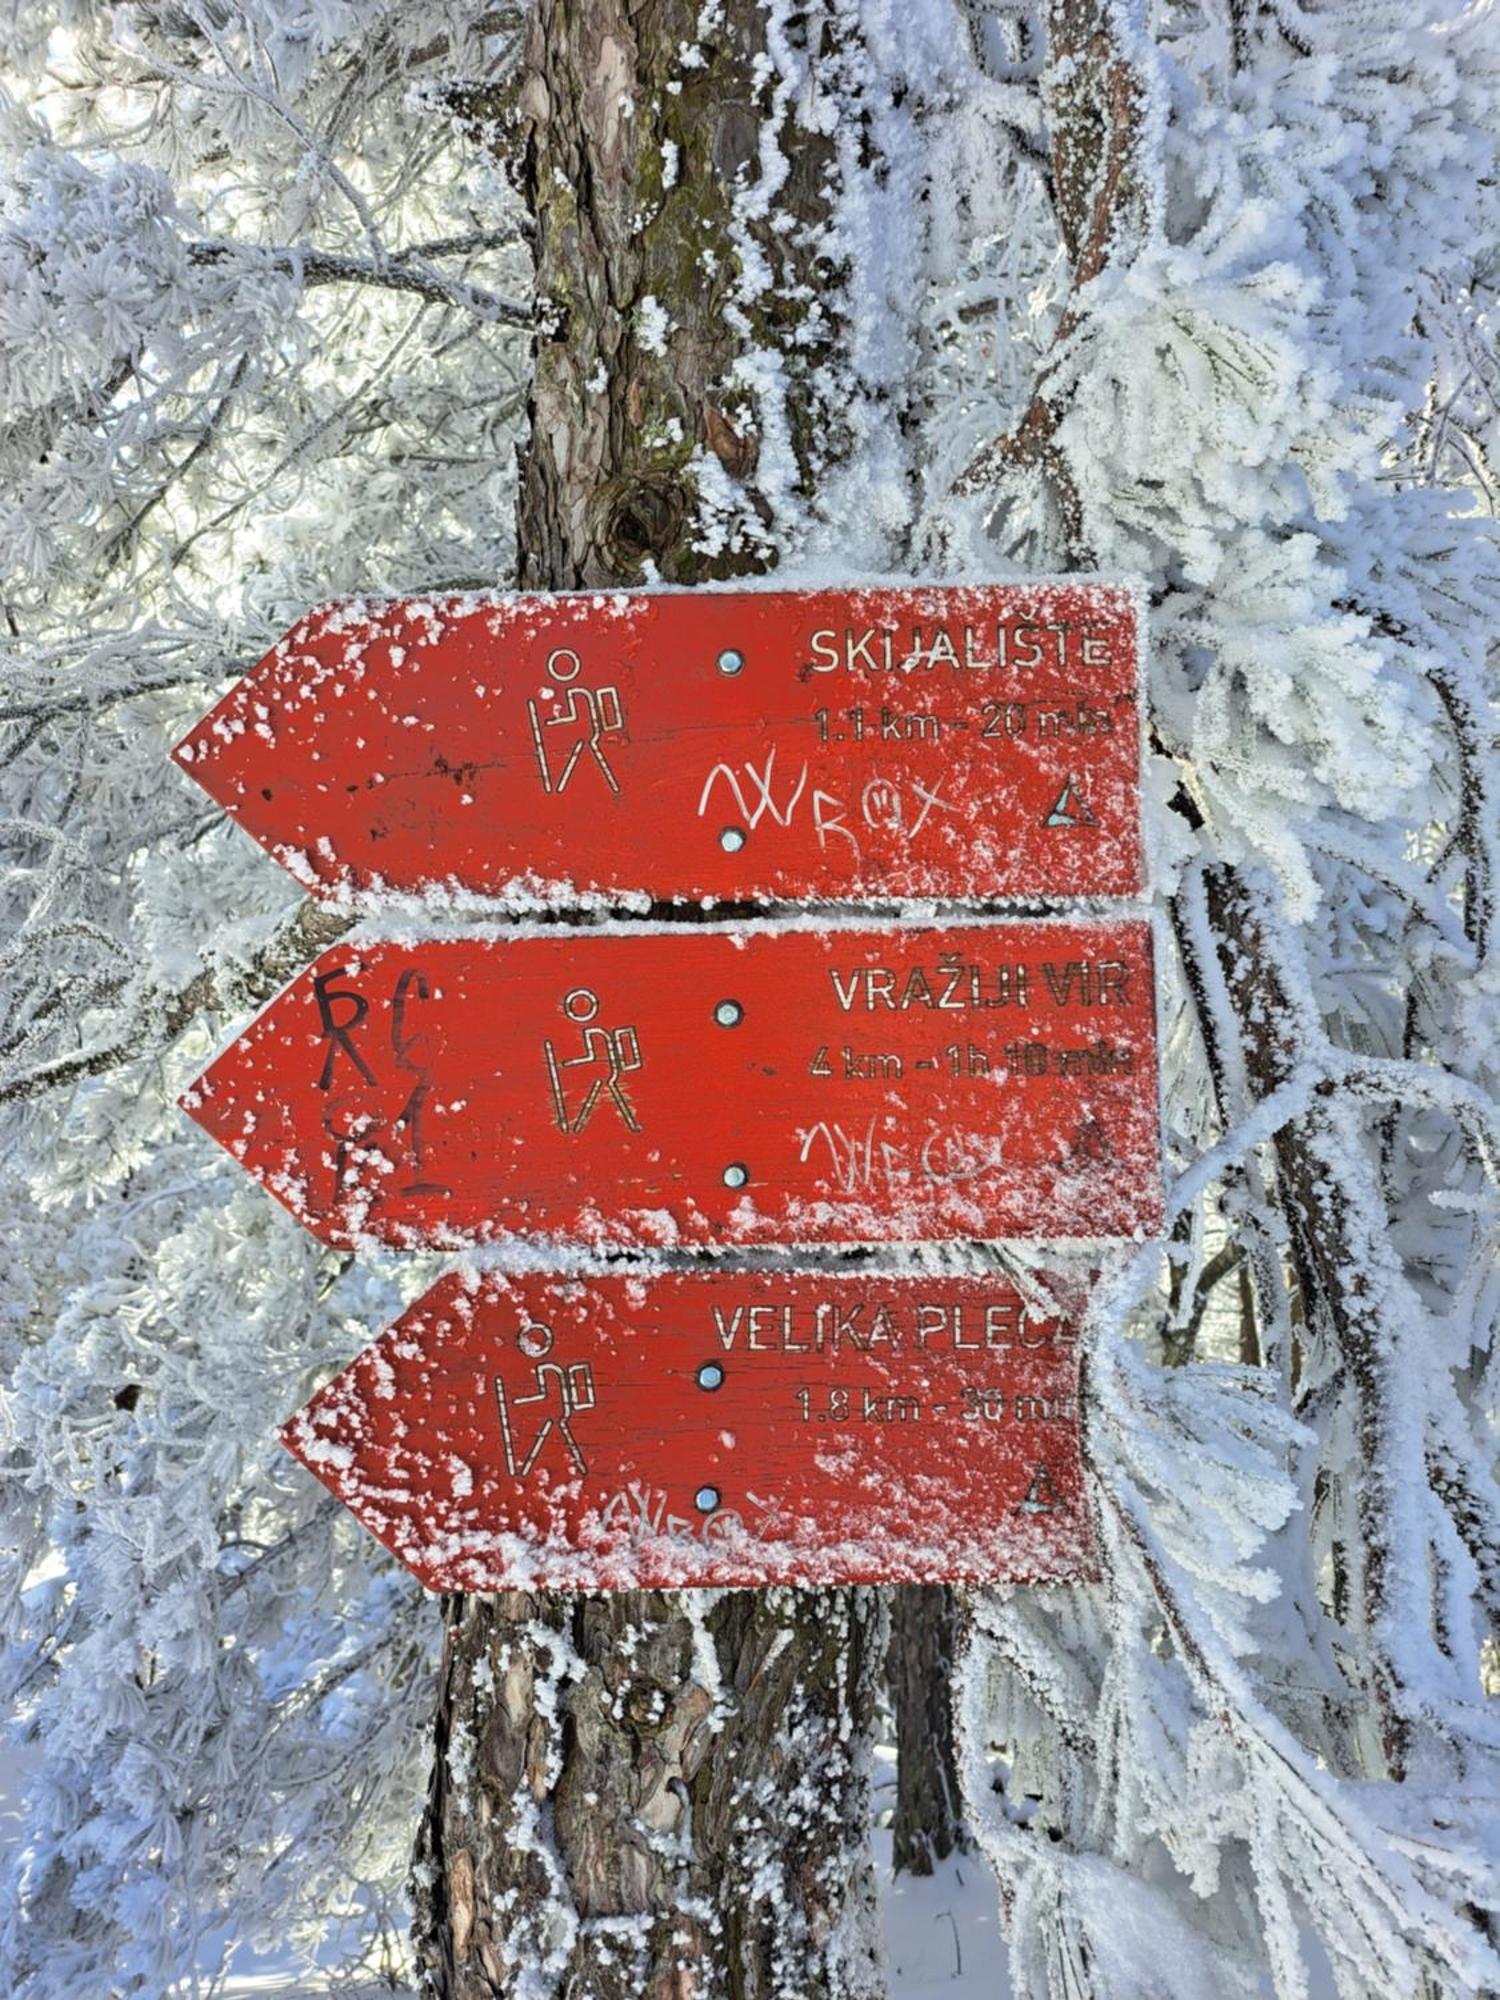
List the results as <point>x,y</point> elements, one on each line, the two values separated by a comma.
<point>942,1936</point>
<point>942,1939</point>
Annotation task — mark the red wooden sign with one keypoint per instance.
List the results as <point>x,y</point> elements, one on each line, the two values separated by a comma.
<point>725,1429</point>
<point>697,1085</point>
<point>938,741</point>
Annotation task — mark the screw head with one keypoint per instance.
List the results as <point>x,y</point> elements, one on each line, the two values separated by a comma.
<point>729,1013</point>
<point>711,1376</point>
<point>736,1174</point>
<point>732,839</point>
<point>706,1499</point>
<point>731,662</point>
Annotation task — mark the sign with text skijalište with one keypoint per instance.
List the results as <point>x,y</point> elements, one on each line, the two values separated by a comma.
<point>941,741</point>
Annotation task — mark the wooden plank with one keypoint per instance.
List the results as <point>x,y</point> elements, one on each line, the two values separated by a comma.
<point>730,1428</point>
<point>695,1085</point>
<point>865,744</point>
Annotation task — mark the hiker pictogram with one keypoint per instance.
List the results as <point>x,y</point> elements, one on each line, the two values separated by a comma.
<point>562,734</point>
<point>608,1054</point>
<point>563,1393</point>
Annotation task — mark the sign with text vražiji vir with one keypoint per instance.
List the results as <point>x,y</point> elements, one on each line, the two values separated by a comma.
<point>693,1085</point>
<point>726,1428</point>
<point>943,741</point>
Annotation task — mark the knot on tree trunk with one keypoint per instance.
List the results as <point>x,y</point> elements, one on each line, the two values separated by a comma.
<point>641,520</point>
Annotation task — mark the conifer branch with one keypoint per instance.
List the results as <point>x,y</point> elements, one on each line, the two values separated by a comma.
<point>161,1017</point>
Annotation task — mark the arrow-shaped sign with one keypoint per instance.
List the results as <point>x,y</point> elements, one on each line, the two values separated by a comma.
<point>957,742</point>
<point>727,1429</point>
<point>701,1085</point>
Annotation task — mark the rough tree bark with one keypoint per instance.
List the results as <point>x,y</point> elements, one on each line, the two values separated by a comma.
<point>649,1794</point>
<point>642,170</point>
<point>928,1822</point>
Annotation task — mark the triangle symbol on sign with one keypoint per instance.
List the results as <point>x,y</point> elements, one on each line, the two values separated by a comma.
<point>1071,809</point>
<point>1041,1495</point>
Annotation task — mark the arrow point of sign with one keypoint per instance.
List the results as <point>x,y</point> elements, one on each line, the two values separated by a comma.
<point>235,1100</point>
<point>269,713</point>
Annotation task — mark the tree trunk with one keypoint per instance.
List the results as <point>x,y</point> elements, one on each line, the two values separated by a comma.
<point>928,1823</point>
<point>651,453</point>
<point>646,1793</point>
<point>649,1795</point>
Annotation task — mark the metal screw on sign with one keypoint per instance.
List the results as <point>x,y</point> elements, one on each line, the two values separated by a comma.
<point>729,1013</point>
<point>706,1499</point>
<point>736,1175</point>
<point>731,662</point>
<point>732,839</point>
<point>710,1376</point>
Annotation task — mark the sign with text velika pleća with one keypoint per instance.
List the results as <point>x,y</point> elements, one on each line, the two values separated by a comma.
<point>718,1428</point>
<point>772,745</point>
